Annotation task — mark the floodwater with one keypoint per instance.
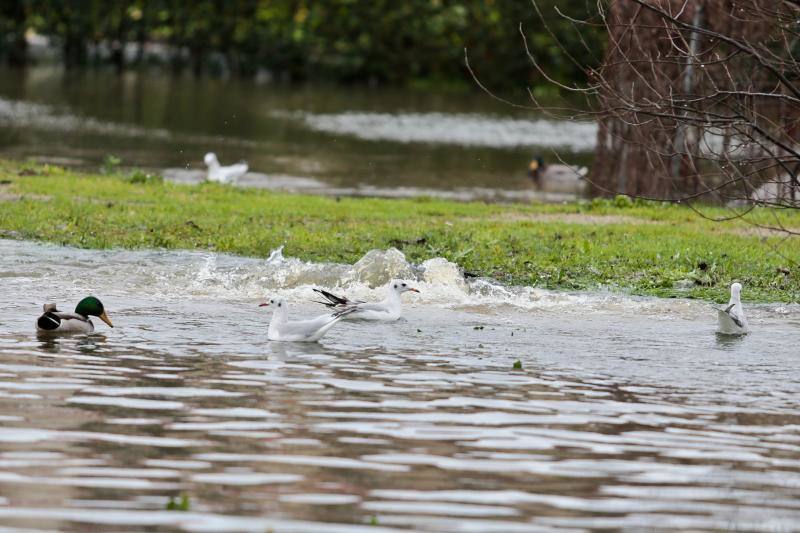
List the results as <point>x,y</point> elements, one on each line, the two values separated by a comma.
<point>627,412</point>
<point>379,142</point>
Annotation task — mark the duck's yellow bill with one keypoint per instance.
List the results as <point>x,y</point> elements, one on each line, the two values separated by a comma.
<point>104,317</point>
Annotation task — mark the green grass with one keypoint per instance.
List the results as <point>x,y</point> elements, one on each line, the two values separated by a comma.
<point>639,247</point>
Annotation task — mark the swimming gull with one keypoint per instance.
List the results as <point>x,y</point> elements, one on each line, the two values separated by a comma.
<point>311,330</point>
<point>387,310</point>
<point>731,319</point>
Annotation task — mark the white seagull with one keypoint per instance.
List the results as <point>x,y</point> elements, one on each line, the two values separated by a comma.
<point>731,319</point>
<point>387,310</point>
<point>311,330</point>
<point>220,174</point>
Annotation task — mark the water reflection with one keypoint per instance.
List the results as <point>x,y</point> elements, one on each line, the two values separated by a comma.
<point>424,426</point>
<point>729,342</point>
<point>48,343</point>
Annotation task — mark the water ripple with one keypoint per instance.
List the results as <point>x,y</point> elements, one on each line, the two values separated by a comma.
<point>612,421</point>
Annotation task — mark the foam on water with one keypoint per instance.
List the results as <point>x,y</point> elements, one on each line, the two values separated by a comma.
<point>441,282</point>
<point>461,129</point>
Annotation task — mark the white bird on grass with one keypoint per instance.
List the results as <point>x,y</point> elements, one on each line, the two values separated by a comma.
<point>731,319</point>
<point>220,174</point>
<point>311,330</point>
<point>387,310</point>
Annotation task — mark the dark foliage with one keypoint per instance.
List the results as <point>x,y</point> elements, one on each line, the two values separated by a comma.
<point>373,41</point>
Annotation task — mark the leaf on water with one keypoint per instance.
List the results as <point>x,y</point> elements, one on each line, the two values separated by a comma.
<point>182,504</point>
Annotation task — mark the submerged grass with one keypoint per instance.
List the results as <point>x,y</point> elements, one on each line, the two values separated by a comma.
<point>641,247</point>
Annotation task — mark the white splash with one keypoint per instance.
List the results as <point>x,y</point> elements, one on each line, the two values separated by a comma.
<point>178,275</point>
<point>454,128</point>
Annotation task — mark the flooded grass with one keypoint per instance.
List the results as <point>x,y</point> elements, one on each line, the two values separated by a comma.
<point>646,248</point>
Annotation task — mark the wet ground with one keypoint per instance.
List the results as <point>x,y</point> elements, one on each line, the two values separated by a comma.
<point>626,412</point>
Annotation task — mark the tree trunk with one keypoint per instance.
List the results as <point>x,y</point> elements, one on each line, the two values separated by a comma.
<point>624,160</point>
<point>16,14</point>
<point>680,94</point>
<point>120,39</point>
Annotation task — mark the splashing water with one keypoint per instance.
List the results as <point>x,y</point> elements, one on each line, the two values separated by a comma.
<point>626,413</point>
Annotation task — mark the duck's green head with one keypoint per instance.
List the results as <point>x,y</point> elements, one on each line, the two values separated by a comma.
<point>91,306</point>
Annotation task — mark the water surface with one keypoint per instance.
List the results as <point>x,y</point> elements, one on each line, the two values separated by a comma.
<point>344,140</point>
<point>627,412</point>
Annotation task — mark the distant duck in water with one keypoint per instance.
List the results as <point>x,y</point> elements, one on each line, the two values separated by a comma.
<point>557,178</point>
<point>731,319</point>
<point>220,174</point>
<point>58,322</point>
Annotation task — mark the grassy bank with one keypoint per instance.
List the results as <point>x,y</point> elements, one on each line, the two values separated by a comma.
<point>650,248</point>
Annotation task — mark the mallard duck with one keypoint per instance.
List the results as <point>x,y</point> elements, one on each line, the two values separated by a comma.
<point>55,321</point>
<point>387,310</point>
<point>557,178</point>
<point>731,319</point>
<point>220,174</point>
<point>311,330</point>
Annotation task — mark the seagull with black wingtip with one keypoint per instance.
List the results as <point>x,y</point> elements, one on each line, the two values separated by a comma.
<point>387,310</point>
<point>731,319</point>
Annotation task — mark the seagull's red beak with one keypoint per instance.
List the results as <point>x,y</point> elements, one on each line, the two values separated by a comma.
<point>265,304</point>
<point>413,290</point>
